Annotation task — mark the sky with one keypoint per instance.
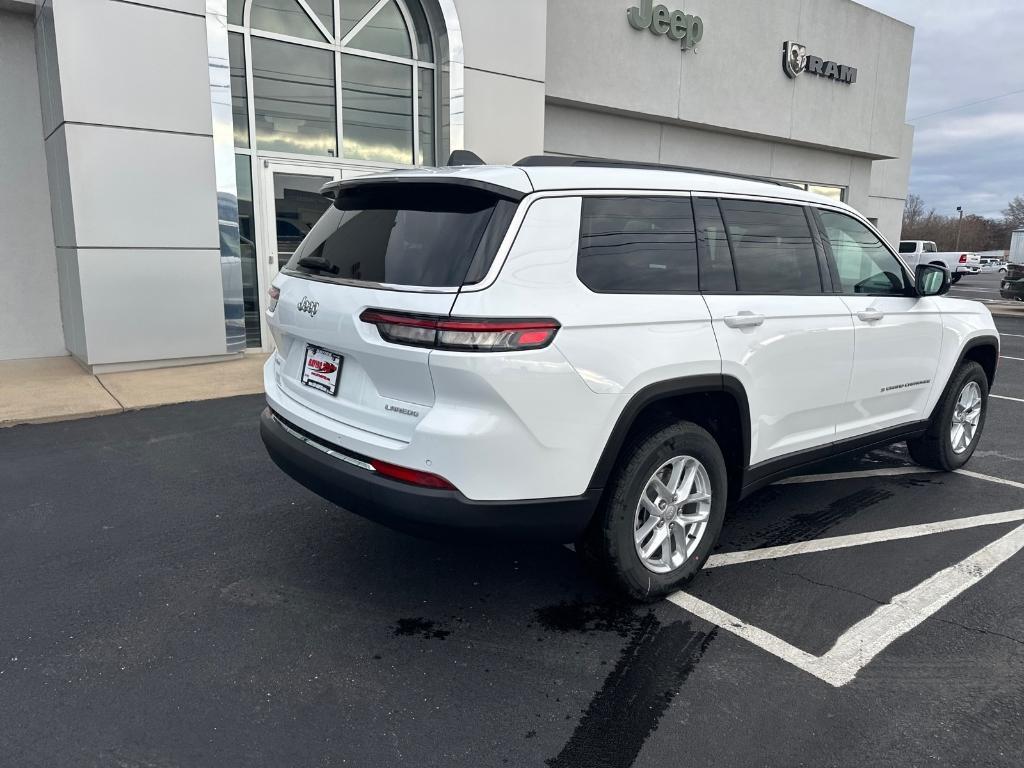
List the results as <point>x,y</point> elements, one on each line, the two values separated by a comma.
<point>969,154</point>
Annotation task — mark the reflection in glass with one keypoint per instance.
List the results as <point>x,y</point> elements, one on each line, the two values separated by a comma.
<point>239,100</point>
<point>419,21</point>
<point>294,91</point>
<point>384,33</point>
<point>285,17</point>
<point>833,193</point>
<point>352,12</point>
<point>324,9</point>
<point>376,110</point>
<point>235,11</point>
<point>298,205</point>
<point>426,107</point>
<point>247,243</point>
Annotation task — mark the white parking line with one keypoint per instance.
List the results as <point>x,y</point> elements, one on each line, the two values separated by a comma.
<point>1005,357</point>
<point>990,478</point>
<point>859,644</point>
<point>884,472</point>
<point>1015,335</point>
<point>1004,397</point>
<point>859,539</point>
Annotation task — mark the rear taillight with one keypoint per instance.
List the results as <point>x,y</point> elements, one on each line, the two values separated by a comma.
<point>411,476</point>
<point>462,334</point>
<point>963,258</point>
<point>274,294</point>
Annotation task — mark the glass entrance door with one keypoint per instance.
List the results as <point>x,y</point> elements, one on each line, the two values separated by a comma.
<point>291,205</point>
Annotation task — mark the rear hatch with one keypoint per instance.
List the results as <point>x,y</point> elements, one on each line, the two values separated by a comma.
<point>393,244</point>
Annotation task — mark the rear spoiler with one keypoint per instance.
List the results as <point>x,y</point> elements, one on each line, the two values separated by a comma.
<point>333,189</point>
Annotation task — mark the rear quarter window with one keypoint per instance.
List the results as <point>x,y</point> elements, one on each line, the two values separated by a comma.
<point>637,245</point>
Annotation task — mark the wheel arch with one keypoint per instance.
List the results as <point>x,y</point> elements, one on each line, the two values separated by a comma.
<point>716,402</point>
<point>983,350</point>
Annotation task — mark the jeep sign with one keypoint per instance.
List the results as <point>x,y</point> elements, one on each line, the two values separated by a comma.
<point>660,20</point>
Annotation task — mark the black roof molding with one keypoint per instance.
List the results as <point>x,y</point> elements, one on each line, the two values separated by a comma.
<point>464,157</point>
<point>540,161</point>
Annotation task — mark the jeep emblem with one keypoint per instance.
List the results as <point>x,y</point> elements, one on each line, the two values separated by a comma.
<point>686,28</point>
<point>308,306</point>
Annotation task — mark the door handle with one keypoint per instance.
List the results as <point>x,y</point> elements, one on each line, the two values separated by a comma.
<point>870,315</point>
<point>744,319</point>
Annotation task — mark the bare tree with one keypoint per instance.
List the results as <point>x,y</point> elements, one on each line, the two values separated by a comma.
<point>1014,213</point>
<point>913,211</point>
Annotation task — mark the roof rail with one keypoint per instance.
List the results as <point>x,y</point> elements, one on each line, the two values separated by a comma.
<point>535,161</point>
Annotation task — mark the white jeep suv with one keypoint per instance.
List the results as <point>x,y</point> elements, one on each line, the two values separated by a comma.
<point>605,353</point>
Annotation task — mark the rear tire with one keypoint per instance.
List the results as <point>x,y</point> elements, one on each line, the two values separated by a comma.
<point>943,447</point>
<point>688,463</point>
<point>954,279</point>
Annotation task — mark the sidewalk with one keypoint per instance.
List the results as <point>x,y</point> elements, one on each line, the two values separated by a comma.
<point>58,388</point>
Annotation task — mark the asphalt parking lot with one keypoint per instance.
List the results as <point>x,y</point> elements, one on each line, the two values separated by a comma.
<point>169,598</point>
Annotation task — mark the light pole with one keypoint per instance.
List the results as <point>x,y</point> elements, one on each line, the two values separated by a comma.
<point>959,224</point>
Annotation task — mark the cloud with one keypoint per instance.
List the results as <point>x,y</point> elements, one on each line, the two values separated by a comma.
<point>972,155</point>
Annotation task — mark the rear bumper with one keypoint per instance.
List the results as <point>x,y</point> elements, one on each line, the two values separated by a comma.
<point>967,269</point>
<point>411,508</point>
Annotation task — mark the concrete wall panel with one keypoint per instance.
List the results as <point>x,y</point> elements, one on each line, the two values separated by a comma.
<point>145,305</point>
<point>29,290</point>
<point>508,38</point>
<point>141,189</point>
<point>151,74</point>
<point>504,116</point>
<point>600,135</point>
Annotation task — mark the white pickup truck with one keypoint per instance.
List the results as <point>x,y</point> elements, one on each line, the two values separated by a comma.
<point>959,263</point>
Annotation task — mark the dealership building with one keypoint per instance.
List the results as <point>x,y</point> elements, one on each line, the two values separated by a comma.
<point>159,159</point>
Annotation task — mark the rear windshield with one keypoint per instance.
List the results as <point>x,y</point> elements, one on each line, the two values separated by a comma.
<point>908,247</point>
<point>417,235</point>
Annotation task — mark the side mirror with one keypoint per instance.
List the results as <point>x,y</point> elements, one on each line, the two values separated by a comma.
<point>931,280</point>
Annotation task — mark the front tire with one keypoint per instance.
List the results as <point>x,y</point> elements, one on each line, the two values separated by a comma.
<point>663,511</point>
<point>957,423</point>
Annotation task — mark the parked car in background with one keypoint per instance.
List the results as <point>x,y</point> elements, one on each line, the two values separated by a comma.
<point>959,263</point>
<point>590,351</point>
<point>989,265</point>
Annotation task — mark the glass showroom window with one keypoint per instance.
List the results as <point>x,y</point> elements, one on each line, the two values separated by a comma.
<point>344,79</point>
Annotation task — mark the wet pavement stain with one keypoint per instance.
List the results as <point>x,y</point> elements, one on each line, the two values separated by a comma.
<point>811,525</point>
<point>424,628</point>
<point>635,695</point>
<point>581,617</point>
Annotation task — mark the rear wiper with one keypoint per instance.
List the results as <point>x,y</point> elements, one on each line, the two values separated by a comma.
<point>319,264</point>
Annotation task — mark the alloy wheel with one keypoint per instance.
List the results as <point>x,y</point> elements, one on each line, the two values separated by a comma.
<point>672,514</point>
<point>966,416</point>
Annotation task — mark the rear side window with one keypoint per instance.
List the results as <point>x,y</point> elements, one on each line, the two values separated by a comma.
<point>772,247</point>
<point>637,245</point>
<point>416,235</point>
<point>906,247</point>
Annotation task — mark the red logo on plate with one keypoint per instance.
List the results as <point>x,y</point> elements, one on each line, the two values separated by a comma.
<point>322,366</point>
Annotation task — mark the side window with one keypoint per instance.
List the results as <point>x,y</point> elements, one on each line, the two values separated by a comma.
<point>716,272</point>
<point>637,245</point>
<point>865,265</point>
<point>772,247</point>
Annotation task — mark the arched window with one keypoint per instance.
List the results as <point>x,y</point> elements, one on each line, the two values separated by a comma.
<point>347,79</point>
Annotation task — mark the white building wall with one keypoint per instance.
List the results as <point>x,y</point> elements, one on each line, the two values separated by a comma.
<point>889,182</point>
<point>505,65</point>
<point>30,318</point>
<point>130,149</point>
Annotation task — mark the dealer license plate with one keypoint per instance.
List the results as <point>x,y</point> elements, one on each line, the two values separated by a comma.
<point>321,369</point>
